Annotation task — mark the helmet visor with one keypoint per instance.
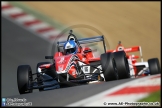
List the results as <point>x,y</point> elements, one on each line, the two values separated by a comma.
<point>71,50</point>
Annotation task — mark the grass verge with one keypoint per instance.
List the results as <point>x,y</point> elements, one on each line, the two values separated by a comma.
<point>153,97</point>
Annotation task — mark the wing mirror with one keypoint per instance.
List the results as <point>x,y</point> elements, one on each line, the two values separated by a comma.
<point>48,57</point>
<point>86,51</point>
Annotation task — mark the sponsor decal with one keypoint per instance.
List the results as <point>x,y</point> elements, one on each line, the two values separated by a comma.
<point>62,60</point>
<point>86,69</point>
<point>60,68</point>
<point>73,73</point>
<point>128,49</point>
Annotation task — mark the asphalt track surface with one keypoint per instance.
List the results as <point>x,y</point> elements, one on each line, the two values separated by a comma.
<point>22,47</point>
<point>18,47</point>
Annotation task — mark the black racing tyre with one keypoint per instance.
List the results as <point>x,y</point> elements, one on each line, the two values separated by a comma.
<point>108,67</point>
<point>24,79</point>
<point>154,66</point>
<point>122,64</point>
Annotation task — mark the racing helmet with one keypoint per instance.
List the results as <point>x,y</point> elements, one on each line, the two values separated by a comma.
<point>70,47</point>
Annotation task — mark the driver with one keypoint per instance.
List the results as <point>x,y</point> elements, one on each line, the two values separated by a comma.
<point>70,47</point>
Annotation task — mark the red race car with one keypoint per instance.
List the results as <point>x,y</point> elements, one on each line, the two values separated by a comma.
<point>75,63</point>
<point>138,68</point>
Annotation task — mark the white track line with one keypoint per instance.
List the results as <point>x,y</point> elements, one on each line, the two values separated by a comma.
<point>150,82</point>
<point>41,25</point>
<point>13,10</point>
<point>3,3</point>
<point>51,33</point>
<point>25,18</point>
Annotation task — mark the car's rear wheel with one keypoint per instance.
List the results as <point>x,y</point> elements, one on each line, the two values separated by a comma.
<point>108,67</point>
<point>154,66</point>
<point>24,79</point>
<point>122,64</point>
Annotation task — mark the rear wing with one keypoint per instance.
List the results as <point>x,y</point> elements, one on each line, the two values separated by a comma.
<point>134,49</point>
<point>131,49</point>
<point>86,40</point>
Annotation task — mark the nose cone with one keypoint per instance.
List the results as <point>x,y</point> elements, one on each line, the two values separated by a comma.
<point>63,62</point>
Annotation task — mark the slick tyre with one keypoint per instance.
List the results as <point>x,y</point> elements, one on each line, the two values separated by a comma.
<point>121,64</point>
<point>108,67</point>
<point>154,66</point>
<point>24,79</point>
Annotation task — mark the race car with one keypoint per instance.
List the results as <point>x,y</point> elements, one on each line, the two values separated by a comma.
<point>138,68</point>
<point>75,64</point>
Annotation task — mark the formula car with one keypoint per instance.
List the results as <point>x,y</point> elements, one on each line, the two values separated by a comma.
<point>138,68</point>
<point>74,64</point>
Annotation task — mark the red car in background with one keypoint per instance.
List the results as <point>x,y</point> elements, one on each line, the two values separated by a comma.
<point>138,68</point>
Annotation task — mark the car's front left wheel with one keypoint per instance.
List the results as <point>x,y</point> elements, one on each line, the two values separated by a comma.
<point>154,66</point>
